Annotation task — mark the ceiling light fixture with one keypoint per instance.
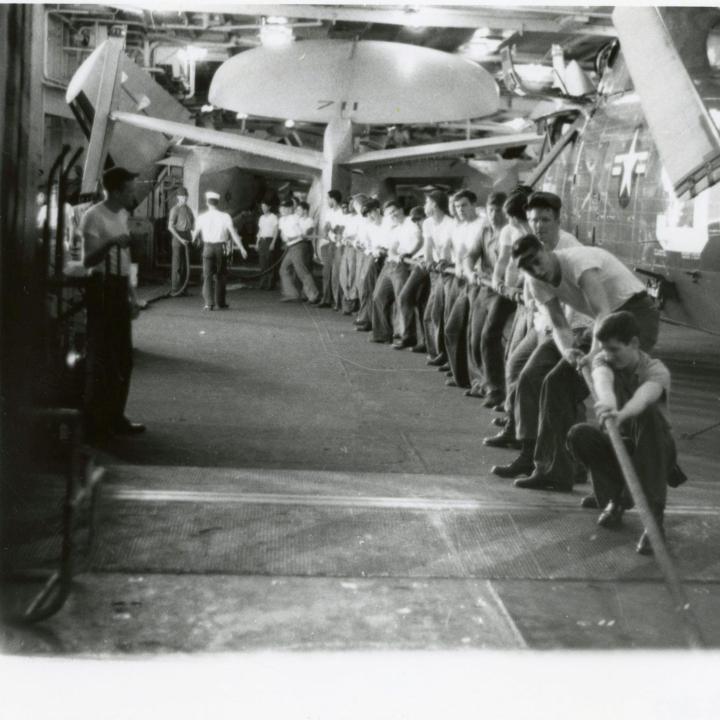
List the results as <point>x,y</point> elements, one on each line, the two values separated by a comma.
<point>275,32</point>
<point>289,123</point>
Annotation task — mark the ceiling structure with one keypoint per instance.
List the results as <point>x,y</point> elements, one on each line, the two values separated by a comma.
<point>475,32</point>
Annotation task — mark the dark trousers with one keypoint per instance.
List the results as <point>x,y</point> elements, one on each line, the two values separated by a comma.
<point>366,288</point>
<point>264,257</point>
<point>523,341</point>
<point>433,318</point>
<point>387,288</point>
<point>178,266</point>
<point>214,274</point>
<point>564,390</point>
<point>109,352</point>
<point>488,320</point>
<point>295,261</point>
<point>413,299</point>
<point>337,291</point>
<point>456,328</point>
<point>327,256</point>
<point>651,447</point>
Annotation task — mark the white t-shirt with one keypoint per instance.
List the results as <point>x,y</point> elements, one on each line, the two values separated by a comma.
<point>410,235</point>
<point>373,237</point>
<point>215,226</point>
<point>350,228</point>
<point>619,282</point>
<point>383,237</point>
<point>291,229</point>
<point>439,234</point>
<point>267,224</point>
<point>307,224</point>
<point>508,235</point>
<point>98,225</point>
<point>462,237</point>
<point>541,320</point>
<point>336,218</point>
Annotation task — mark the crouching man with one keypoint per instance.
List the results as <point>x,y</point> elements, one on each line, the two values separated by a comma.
<point>633,389</point>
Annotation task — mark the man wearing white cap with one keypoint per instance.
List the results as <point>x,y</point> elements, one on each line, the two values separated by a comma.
<point>218,234</point>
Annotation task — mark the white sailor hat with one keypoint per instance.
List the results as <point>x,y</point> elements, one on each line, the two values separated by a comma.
<point>212,195</point>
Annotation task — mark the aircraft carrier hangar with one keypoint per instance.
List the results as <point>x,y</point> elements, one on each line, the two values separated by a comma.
<point>239,488</point>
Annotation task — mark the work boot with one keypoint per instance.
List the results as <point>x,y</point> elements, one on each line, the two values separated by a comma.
<point>644,546</point>
<point>504,439</point>
<point>542,481</point>
<point>522,465</point>
<point>589,502</point>
<point>611,516</point>
<point>437,361</point>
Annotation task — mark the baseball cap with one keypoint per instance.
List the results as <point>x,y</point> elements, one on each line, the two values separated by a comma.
<point>212,195</point>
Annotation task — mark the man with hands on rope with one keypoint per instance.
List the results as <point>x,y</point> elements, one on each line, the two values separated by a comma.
<point>632,390</point>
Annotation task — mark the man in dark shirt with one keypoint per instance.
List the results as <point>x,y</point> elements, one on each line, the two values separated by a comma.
<point>632,389</point>
<point>181,223</point>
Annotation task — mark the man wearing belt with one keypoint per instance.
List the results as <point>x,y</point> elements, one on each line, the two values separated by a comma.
<point>404,240</point>
<point>266,241</point>
<point>436,229</point>
<point>218,234</point>
<point>538,354</point>
<point>181,222</point>
<point>293,234</point>
<point>595,283</point>
<point>105,249</point>
<point>489,311</point>
<point>466,234</point>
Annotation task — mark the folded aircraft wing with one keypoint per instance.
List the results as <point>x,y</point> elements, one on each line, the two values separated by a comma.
<point>285,153</point>
<point>459,147</point>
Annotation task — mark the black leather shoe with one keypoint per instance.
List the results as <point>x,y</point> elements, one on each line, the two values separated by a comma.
<point>419,349</point>
<point>541,481</point>
<point>644,546</point>
<point>324,305</point>
<point>589,502</point>
<point>451,383</point>
<point>223,307</point>
<point>500,421</point>
<point>347,312</point>
<point>126,427</point>
<point>611,516</point>
<point>520,466</point>
<point>402,344</point>
<point>381,342</point>
<point>436,361</point>
<point>504,439</point>
<point>444,367</point>
<point>363,327</point>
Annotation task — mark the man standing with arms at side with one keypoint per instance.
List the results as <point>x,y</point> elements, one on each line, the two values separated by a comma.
<point>218,234</point>
<point>267,236</point>
<point>328,246</point>
<point>181,223</point>
<point>105,250</point>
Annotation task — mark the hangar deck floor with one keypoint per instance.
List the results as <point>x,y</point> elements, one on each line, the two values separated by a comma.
<point>301,488</point>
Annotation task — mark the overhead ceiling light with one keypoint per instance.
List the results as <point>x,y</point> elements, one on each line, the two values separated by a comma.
<point>414,19</point>
<point>289,123</point>
<point>480,49</point>
<point>192,53</point>
<point>276,20</point>
<point>207,108</point>
<point>480,33</point>
<point>275,35</point>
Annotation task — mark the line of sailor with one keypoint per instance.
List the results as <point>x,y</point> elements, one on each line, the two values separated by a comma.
<point>450,287</point>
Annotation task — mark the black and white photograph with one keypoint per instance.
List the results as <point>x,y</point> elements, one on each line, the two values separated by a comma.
<point>359,360</point>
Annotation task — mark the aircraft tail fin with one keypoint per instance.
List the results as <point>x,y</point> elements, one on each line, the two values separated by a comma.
<point>108,81</point>
<point>686,136</point>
